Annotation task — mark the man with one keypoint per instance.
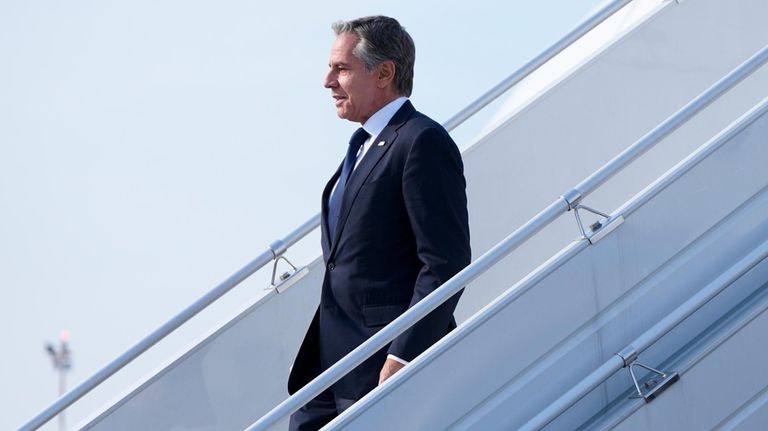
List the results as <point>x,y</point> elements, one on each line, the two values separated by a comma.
<point>394,220</point>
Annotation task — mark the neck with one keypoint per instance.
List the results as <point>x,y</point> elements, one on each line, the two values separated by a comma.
<point>383,101</point>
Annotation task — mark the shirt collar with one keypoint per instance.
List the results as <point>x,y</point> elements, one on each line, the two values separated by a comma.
<point>383,116</point>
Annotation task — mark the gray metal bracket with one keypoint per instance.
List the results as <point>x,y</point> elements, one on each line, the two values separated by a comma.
<point>292,278</point>
<point>598,229</point>
<point>278,249</point>
<point>285,275</point>
<point>654,386</point>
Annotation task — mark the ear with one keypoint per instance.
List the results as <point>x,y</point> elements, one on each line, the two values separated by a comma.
<point>386,74</point>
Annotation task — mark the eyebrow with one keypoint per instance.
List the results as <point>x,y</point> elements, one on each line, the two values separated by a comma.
<point>340,63</point>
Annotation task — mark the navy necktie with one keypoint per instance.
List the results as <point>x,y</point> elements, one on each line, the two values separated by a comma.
<point>334,204</point>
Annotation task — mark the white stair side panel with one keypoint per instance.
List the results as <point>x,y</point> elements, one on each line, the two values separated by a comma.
<point>557,139</point>
<point>235,373</point>
<point>752,416</point>
<point>683,345</point>
<point>737,366</point>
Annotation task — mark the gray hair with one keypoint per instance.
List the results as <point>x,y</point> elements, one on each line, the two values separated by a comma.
<point>383,39</point>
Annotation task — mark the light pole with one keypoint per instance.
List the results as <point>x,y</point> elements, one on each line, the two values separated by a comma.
<point>62,362</point>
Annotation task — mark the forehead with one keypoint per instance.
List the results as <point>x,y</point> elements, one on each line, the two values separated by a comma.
<point>341,50</point>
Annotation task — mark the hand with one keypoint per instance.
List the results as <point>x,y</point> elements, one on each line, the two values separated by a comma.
<point>390,367</point>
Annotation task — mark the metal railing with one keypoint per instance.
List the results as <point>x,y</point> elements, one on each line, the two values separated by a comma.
<point>275,250</point>
<point>626,356</point>
<point>564,203</point>
<point>279,247</point>
<point>572,36</point>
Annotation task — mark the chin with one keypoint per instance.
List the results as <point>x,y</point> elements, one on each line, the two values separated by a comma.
<point>345,116</point>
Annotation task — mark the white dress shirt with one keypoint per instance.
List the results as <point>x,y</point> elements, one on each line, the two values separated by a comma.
<point>374,126</point>
<point>377,123</point>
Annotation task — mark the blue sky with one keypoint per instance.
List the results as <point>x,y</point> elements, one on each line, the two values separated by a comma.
<point>149,149</point>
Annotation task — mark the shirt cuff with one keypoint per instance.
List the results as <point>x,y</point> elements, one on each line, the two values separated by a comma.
<point>395,358</point>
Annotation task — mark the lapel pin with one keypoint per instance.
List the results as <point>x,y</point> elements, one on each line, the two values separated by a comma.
<point>381,143</point>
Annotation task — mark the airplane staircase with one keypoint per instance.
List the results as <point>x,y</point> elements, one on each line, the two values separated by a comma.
<point>684,216</point>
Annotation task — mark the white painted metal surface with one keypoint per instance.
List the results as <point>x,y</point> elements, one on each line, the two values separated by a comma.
<point>551,141</point>
<point>221,380</point>
<point>628,356</point>
<point>585,119</point>
<point>723,382</point>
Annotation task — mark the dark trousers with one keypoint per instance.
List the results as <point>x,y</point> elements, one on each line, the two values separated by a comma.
<point>318,412</point>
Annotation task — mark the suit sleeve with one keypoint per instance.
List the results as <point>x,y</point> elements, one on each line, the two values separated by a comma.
<point>434,191</point>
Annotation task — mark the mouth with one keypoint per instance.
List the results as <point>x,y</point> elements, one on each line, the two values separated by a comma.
<point>338,100</point>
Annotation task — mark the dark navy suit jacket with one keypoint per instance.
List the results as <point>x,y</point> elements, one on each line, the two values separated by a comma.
<point>402,232</point>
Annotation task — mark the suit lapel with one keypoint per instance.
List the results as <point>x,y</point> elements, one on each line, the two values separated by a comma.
<point>324,230</point>
<point>369,161</point>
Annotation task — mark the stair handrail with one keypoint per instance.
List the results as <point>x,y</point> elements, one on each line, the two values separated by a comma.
<point>627,355</point>
<point>534,64</point>
<point>273,251</point>
<point>563,204</point>
<point>277,248</point>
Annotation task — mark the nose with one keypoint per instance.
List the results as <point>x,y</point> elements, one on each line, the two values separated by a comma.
<point>330,80</point>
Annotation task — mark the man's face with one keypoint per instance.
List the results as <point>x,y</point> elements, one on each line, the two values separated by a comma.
<point>354,90</point>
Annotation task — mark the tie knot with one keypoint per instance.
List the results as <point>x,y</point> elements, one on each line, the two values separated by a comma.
<point>358,138</point>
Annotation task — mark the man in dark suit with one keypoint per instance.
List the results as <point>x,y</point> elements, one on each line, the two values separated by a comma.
<point>394,220</point>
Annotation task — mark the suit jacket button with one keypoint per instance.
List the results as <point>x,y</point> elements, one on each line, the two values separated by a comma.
<point>331,266</point>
